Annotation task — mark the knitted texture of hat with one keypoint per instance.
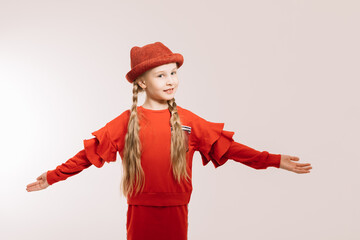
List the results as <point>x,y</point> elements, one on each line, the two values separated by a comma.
<point>150,56</point>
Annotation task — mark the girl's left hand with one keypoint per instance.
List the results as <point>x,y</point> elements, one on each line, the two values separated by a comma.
<point>286,162</point>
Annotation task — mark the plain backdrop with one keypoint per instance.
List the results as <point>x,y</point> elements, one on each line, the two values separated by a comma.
<point>283,75</point>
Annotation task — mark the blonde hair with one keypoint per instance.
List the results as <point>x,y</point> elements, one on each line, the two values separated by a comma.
<point>133,174</point>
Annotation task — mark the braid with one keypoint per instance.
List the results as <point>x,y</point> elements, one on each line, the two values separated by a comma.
<point>132,170</point>
<point>178,145</point>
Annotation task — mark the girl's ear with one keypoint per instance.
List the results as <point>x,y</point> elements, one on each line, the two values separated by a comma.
<point>141,82</point>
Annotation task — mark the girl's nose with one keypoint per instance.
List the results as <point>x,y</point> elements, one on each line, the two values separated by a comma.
<point>170,80</point>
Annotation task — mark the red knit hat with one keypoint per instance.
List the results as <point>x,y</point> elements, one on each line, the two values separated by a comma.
<point>150,56</point>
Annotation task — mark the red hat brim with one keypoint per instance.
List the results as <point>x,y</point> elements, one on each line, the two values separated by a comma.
<point>152,63</point>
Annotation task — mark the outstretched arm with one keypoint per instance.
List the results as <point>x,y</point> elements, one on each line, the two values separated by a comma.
<point>217,145</point>
<point>71,167</point>
<point>97,151</point>
<point>252,157</point>
<point>262,160</point>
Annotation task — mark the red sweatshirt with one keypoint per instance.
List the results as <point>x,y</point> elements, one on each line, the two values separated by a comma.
<point>209,138</point>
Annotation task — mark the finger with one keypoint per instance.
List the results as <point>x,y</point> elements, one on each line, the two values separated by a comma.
<point>30,189</point>
<point>300,170</point>
<point>303,164</point>
<point>35,188</point>
<point>39,177</point>
<point>294,158</point>
<point>306,168</point>
<point>32,184</point>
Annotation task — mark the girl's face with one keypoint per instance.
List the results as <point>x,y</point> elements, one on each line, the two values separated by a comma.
<point>160,83</point>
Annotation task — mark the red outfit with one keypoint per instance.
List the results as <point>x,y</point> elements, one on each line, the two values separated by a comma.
<point>213,142</point>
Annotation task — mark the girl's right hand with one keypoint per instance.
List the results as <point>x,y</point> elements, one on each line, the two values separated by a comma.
<point>40,184</point>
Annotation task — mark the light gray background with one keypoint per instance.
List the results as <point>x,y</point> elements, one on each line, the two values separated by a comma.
<point>283,75</point>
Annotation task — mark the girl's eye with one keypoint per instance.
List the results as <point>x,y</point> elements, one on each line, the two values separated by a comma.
<point>163,74</point>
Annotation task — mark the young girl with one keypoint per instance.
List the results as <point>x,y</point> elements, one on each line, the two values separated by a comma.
<point>156,142</point>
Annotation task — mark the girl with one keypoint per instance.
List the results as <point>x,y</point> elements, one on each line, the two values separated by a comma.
<point>156,142</point>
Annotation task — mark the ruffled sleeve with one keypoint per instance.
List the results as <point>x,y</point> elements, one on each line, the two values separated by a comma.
<point>100,149</point>
<point>218,146</point>
<point>212,141</point>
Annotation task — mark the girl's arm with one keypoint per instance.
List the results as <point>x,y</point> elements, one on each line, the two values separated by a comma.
<point>252,157</point>
<point>71,167</point>
<point>97,151</point>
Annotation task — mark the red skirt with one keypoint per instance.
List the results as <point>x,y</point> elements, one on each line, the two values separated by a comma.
<point>157,222</point>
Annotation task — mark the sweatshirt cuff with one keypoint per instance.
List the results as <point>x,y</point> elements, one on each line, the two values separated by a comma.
<point>51,177</point>
<point>274,160</point>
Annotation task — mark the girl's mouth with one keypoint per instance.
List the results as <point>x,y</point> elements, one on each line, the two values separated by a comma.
<point>169,90</point>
